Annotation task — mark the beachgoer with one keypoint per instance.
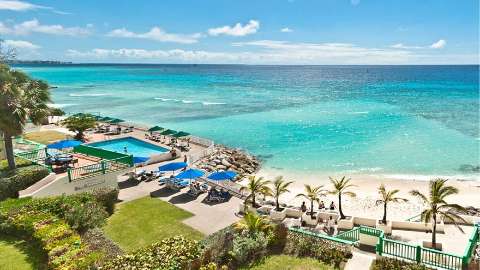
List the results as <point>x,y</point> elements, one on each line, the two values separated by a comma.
<point>185,159</point>
<point>125,149</point>
<point>332,206</point>
<point>330,225</point>
<point>321,205</point>
<point>303,207</point>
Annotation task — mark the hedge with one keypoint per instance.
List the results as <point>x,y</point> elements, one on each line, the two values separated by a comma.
<point>19,179</point>
<point>19,162</point>
<point>393,264</point>
<point>172,253</point>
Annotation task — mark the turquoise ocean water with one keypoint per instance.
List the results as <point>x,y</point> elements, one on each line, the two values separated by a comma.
<point>394,120</point>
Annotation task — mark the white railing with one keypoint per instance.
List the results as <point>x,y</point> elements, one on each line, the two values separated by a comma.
<point>194,157</point>
<point>201,141</point>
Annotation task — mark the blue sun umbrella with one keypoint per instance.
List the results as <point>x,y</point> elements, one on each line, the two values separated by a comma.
<point>220,176</point>
<point>64,144</point>
<point>190,174</point>
<point>173,166</point>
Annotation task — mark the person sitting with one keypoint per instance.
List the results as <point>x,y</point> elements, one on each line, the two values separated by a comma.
<point>321,205</point>
<point>332,206</point>
<point>303,207</point>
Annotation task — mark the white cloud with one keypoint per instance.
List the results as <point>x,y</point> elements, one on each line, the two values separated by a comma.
<point>271,52</point>
<point>15,5</point>
<point>34,26</point>
<point>402,46</point>
<point>238,30</point>
<point>156,34</point>
<point>439,44</point>
<point>286,30</point>
<point>20,44</point>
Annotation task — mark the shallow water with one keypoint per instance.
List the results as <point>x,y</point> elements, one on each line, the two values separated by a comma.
<point>397,120</point>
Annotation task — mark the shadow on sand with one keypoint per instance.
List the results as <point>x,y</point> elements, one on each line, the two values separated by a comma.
<point>163,192</point>
<point>127,183</point>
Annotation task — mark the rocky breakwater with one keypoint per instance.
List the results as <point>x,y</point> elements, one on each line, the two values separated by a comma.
<point>225,158</point>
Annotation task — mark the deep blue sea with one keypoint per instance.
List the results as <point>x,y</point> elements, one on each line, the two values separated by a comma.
<point>393,120</point>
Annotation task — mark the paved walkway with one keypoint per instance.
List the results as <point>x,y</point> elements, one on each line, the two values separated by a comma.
<point>360,260</point>
<point>208,217</point>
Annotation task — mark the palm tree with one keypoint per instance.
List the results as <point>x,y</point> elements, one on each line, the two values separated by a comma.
<point>255,186</point>
<point>280,187</point>
<point>22,99</point>
<point>312,194</point>
<point>437,207</point>
<point>340,188</point>
<point>252,223</point>
<point>387,196</point>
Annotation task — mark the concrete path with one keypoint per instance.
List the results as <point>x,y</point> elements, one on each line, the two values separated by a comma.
<point>360,261</point>
<point>208,217</point>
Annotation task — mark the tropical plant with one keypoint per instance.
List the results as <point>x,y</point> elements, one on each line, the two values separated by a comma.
<point>437,207</point>
<point>255,186</point>
<point>252,224</point>
<point>280,187</point>
<point>22,99</point>
<point>387,196</point>
<point>340,187</point>
<point>313,194</point>
<point>79,123</point>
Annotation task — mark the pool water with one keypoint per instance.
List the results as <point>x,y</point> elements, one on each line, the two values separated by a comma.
<point>131,146</point>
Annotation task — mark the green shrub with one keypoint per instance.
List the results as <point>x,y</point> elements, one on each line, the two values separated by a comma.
<point>85,216</point>
<point>62,245</point>
<point>19,162</point>
<point>19,179</point>
<point>384,263</point>
<point>106,197</point>
<point>248,248</point>
<point>97,240</point>
<point>171,253</point>
<point>326,251</point>
<point>217,246</point>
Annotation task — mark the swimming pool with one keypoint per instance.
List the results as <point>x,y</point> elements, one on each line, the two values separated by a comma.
<point>129,145</point>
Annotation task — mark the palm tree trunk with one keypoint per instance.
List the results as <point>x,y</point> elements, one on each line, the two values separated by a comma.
<point>384,219</point>
<point>311,208</point>
<point>276,204</point>
<point>253,199</point>
<point>9,151</point>
<point>434,232</point>
<point>342,216</point>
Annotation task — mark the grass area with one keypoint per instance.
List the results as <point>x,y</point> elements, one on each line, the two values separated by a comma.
<point>45,137</point>
<point>18,254</point>
<point>284,262</point>
<point>147,220</point>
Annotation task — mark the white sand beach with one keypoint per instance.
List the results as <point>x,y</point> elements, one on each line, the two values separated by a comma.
<point>366,189</point>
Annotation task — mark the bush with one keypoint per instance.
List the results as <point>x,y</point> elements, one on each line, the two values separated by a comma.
<point>106,197</point>
<point>62,245</point>
<point>392,264</point>
<point>19,179</point>
<point>20,162</point>
<point>171,253</point>
<point>326,251</point>
<point>216,247</point>
<point>85,216</point>
<point>248,248</point>
<point>97,240</point>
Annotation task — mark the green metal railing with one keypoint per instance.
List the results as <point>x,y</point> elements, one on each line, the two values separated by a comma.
<point>36,157</point>
<point>352,235</point>
<point>427,256</point>
<point>322,236</point>
<point>371,231</point>
<point>103,167</point>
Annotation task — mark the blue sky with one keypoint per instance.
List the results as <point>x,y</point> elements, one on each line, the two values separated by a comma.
<point>248,32</point>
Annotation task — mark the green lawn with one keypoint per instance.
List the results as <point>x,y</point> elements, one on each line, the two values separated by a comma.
<point>147,220</point>
<point>17,254</point>
<point>45,137</point>
<point>284,262</point>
